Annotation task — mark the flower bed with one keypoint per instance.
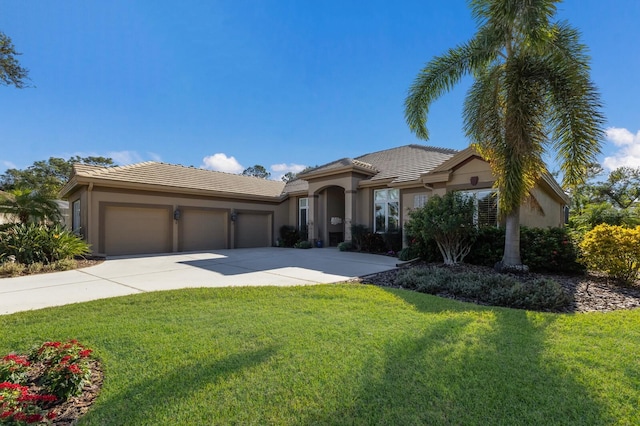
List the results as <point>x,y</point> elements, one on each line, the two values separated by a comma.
<point>44,386</point>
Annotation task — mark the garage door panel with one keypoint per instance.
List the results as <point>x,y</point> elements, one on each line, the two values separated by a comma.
<point>253,230</point>
<point>137,230</point>
<point>203,229</point>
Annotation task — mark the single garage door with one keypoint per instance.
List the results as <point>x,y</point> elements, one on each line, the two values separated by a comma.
<point>137,230</point>
<point>253,229</point>
<point>203,229</point>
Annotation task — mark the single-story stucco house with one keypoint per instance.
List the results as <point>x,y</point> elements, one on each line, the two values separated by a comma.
<point>154,207</point>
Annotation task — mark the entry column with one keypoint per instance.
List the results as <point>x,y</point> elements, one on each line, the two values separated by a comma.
<point>349,212</point>
<point>312,215</point>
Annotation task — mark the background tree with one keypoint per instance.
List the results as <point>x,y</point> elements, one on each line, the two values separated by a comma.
<point>47,177</point>
<point>11,73</point>
<point>257,171</point>
<point>532,91</point>
<point>622,187</point>
<point>288,177</point>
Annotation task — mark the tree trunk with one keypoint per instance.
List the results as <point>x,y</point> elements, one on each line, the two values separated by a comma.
<point>512,240</point>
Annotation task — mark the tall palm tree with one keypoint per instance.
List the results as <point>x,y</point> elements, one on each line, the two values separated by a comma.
<point>29,206</point>
<point>531,92</point>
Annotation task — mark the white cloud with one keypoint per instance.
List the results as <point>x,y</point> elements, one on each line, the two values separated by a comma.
<point>628,154</point>
<point>155,157</point>
<point>282,169</point>
<point>221,163</point>
<point>125,157</point>
<point>9,164</point>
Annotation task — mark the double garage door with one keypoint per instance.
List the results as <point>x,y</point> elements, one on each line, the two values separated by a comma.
<point>147,229</point>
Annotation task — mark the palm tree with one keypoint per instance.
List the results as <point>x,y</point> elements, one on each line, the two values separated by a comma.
<point>27,205</point>
<point>531,92</point>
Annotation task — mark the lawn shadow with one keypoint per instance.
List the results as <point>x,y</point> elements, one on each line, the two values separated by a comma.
<point>141,402</point>
<point>475,366</point>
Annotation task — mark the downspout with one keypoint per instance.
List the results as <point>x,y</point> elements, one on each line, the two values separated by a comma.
<point>89,214</point>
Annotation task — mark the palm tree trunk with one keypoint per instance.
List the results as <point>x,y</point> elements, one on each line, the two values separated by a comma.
<point>512,239</point>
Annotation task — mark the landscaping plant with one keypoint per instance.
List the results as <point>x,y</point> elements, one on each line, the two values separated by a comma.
<point>31,243</point>
<point>67,367</point>
<point>496,290</point>
<point>614,250</point>
<point>19,406</point>
<point>448,220</point>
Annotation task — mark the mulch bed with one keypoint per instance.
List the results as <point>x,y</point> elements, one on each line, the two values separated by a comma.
<point>589,292</point>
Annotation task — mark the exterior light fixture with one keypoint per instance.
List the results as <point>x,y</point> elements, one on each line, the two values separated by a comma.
<point>176,214</point>
<point>234,215</point>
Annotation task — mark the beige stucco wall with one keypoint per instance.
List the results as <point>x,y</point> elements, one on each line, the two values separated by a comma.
<point>552,214</point>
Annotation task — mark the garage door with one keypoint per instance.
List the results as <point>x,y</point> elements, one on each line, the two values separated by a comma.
<point>137,230</point>
<point>203,229</point>
<point>253,230</point>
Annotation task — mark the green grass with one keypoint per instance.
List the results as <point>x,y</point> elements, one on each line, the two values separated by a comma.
<point>345,354</point>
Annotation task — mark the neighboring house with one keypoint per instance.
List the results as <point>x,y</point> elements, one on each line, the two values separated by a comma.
<point>155,207</point>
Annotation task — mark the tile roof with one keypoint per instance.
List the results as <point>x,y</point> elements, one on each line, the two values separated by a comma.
<point>181,178</point>
<point>401,164</point>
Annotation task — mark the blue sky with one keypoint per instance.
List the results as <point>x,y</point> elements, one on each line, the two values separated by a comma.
<point>281,83</point>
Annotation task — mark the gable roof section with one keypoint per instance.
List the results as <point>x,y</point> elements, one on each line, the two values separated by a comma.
<point>396,165</point>
<point>152,175</point>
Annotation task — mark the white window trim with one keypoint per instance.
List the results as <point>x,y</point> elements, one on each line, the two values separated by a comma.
<point>385,203</point>
<point>306,209</point>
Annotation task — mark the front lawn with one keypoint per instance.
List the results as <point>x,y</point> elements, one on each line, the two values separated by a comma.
<point>343,354</point>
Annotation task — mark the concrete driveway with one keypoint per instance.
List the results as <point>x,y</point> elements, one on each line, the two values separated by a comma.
<point>119,276</point>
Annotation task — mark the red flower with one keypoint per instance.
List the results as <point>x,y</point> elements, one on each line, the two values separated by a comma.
<point>6,414</point>
<point>85,353</point>
<point>65,359</point>
<point>51,415</point>
<point>73,368</point>
<point>33,418</point>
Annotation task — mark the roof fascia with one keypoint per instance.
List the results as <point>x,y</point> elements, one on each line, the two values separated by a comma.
<point>164,188</point>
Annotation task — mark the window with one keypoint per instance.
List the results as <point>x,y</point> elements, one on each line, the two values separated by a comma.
<point>486,203</point>
<point>386,207</point>
<point>75,218</point>
<point>303,213</point>
<point>419,201</point>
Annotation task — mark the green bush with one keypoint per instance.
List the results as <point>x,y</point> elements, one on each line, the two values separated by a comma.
<point>614,250</point>
<point>289,235</point>
<point>372,242</point>
<point>493,289</point>
<point>32,244</point>
<point>542,249</point>
<point>345,246</point>
<point>303,245</point>
<point>448,220</point>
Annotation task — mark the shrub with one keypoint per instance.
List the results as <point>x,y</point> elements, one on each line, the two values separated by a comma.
<point>345,246</point>
<point>613,250</point>
<point>288,236</point>
<point>18,405</point>
<point>493,289</point>
<point>543,249</point>
<point>32,243</point>
<point>11,269</point>
<point>371,242</point>
<point>67,367</point>
<point>14,368</point>
<point>448,220</point>
<point>303,245</point>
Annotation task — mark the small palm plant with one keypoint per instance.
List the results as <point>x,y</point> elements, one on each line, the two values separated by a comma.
<point>27,205</point>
